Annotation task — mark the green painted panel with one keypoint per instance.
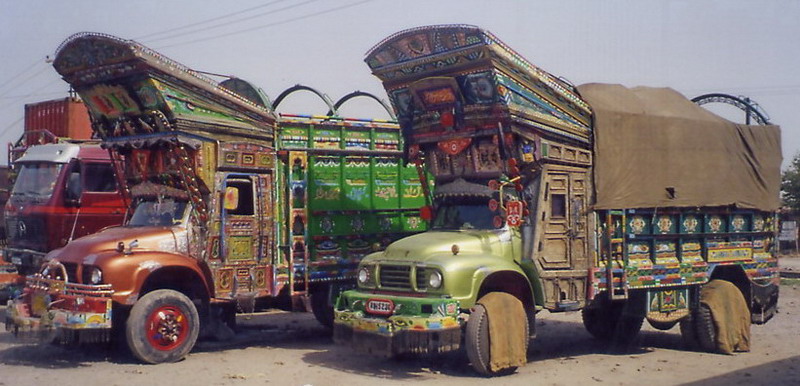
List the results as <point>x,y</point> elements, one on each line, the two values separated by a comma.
<point>386,180</point>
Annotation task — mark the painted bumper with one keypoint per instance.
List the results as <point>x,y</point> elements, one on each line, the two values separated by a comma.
<point>47,305</point>
<point>388,332</point>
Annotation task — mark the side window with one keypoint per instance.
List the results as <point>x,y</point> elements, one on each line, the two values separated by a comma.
<point>99,178</point>
<point>245,206</point>
<point>558,206</point>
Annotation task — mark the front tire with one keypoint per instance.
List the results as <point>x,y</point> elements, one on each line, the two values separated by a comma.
<point>477,341</point>
<point>162,327</point>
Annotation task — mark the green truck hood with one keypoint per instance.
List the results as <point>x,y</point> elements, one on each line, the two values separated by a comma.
<point>433,245</point>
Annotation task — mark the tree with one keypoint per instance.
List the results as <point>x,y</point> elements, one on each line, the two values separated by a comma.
<point>790,184</point>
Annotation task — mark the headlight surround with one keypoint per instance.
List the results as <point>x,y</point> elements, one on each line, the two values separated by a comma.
<point>96,276</point>
<point>366,276</point>
<point>363,275</point>
<point>434,279</point>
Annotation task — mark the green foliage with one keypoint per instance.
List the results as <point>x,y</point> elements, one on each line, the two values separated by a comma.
<point>790,184</point>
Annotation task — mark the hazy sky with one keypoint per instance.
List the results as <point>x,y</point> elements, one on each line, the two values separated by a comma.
<point>739,47</point>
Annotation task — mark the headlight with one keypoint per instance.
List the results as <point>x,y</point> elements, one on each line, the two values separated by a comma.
<point>363,275</point>
<point>97,276</point>
<point>435,279</point>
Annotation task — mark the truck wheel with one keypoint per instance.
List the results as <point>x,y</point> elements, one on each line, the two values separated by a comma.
<point>705,329</point>
<point>606,321</point>
<point>703,318</point>
<point>477,342</point>
<point>689,333</point>
<point>600,318</point>
<point>162,327</point>
<point>323,312</point>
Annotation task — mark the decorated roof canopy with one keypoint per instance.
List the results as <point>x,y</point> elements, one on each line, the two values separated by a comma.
<point>463,78</point>
<point>132,90</point>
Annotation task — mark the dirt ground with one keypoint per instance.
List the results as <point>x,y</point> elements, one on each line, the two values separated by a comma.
<point>291,349</point>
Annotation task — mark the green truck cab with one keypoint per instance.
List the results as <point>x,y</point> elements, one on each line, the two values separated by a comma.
<point>623,203</point>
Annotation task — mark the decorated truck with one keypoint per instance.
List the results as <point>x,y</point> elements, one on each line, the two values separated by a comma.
<point>627,204</point>
<point>62,191</point>
<point>63,184</point>
<point>232,207</point>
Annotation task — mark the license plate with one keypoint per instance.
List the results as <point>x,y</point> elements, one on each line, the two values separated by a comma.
<point>16,260</point>
<point>380,306</point>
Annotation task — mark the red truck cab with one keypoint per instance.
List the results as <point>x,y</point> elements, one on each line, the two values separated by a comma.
<point>62,192</point>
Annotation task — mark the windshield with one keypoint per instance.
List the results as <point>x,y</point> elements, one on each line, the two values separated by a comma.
<point>37,179</point>
<point>464,214</point>
<point>161,212</point>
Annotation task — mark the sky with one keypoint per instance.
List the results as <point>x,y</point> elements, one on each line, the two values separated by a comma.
<point>737,47</point>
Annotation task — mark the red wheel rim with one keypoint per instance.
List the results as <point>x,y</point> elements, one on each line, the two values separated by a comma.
<point>167,327</point>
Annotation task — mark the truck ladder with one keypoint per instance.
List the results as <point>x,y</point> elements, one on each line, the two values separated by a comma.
<point>617,280</point>
<point>298,232</point>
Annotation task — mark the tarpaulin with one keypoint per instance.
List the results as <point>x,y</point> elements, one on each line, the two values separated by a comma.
<point>655,148</point>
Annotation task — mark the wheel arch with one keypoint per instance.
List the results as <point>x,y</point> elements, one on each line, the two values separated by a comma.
<point>736,275</point>
<point>511,282</point>
<point>183,279</point>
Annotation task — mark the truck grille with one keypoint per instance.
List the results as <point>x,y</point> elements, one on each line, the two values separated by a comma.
<point>395,276</point>
<point>422,279</point>
<point>72,272</point>
<point>27,232</point>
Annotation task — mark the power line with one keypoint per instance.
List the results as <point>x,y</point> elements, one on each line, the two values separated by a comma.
<point>27,68</point>
<point>43,69</point>
<point>232,21</point>
<point>208,20</point>
<point>267,25</point>
<point>16,97</point>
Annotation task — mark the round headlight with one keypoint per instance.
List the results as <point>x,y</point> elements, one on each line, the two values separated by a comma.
<point>435,279</point>
<point>363,276</point>
<point>97,276</point>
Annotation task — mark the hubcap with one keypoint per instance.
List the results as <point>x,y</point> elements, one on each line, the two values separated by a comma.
<point>167,327</point>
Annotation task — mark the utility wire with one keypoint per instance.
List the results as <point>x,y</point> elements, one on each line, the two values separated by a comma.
<point>227,23</point>
<point>310,15</point>
<point>27,68</point>
<point>14,97</point>
<point>16,77</point>
<point>208,20</point>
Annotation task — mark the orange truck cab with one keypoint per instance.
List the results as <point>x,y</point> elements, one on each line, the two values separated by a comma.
<point>62,192</point>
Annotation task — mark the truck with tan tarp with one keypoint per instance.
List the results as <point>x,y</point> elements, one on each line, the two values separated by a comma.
<point>623,203</point>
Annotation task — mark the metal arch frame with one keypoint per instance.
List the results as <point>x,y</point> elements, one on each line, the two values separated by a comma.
<point>750,108</point>
<point>355,94</point>
<point>300,87</point>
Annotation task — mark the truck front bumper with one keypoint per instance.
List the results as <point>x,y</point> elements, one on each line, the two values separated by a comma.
<point>435,331</point>
<point>51,305</point>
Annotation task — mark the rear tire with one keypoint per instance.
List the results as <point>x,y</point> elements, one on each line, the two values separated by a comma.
<point>705,329</point>
<point>323,312</point>
<point>162,327</point>
<point>477,342</point>
<point>689,333</point>
<point>607,321</point>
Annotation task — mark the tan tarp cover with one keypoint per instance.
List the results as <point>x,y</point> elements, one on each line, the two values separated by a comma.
<point>508,337</point>
<point>650,141</point>
<point>730,314</point>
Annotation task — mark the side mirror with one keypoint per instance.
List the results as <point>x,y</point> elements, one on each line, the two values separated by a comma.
<point>231,199</point>
<point>72,195</point>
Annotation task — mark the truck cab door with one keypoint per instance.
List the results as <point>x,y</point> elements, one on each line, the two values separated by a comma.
<point>560,240</point>
<point>91,200</point>
<point>242,248</point>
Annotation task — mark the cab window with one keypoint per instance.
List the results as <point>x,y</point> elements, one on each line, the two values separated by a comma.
<point>245,205</point>
<point>99,178</point>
